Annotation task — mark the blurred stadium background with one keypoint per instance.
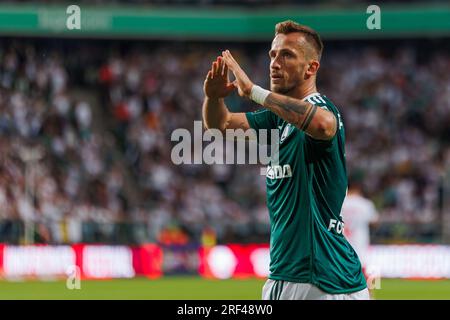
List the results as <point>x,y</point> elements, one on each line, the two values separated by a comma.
<point>86,116</point>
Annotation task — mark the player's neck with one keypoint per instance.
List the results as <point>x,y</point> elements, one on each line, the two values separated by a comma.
<point>303,91</point>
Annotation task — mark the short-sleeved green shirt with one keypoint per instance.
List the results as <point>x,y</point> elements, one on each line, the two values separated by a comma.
<point>305,192</point>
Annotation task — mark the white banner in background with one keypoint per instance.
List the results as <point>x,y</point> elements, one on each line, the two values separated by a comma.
<point>222,262</point>
<point>101,261</point>
<point>410,261</point>
<point>37,261</point>
<point>388,261</point>
<point>260,258</point>
<point>108,261</point>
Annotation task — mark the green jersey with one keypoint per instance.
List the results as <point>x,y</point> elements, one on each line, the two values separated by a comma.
<point>305,192</point>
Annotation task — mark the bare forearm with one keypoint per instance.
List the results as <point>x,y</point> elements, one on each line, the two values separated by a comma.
<point>318,123</point>
<point>215,113</point>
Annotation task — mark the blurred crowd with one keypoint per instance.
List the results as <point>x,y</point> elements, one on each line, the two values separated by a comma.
<point>64,169</point>
<point>396,107</point>
<point>55,170</point>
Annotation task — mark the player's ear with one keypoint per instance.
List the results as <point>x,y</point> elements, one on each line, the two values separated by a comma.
<point>313,67</point>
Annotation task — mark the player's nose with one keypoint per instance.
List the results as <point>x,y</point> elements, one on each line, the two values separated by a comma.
<point>275,65</point>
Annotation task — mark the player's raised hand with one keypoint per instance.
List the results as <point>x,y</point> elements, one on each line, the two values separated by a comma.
<point>242,81</point>
<point>217,84</point>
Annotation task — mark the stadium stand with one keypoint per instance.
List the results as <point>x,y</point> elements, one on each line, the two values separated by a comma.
<point>97,119</point>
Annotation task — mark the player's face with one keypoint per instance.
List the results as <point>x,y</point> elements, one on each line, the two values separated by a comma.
<point>288,64</point>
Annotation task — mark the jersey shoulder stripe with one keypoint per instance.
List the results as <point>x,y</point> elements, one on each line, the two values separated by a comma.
<point>318,100</point>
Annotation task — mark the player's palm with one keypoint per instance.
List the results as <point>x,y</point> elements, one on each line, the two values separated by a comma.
<point>217,84</point>
<point>242,82</point>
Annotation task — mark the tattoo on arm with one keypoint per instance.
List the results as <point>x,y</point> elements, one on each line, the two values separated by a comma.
<point>311,112</point>
<point>289,108</point>
<point>287,104</point>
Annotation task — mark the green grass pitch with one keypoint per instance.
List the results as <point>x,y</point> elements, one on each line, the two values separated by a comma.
<point>181,288</point>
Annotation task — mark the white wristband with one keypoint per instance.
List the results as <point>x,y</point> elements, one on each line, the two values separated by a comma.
<point>259,94</point>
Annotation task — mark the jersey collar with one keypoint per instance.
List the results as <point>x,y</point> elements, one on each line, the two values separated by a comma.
<point>311,95</point>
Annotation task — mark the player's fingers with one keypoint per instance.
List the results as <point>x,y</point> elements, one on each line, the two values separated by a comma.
<point>219,67</point>
<point>230,56</point>
<point>214,68</point>
<point>224,55</point>
<point>232,64</point>
<point>226,72</point>
<point>233,61</point>
<point>209,75</point>
<point>221,63</point>
<point>227,60</point>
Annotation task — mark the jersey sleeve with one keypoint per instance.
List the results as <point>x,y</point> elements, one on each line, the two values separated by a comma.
<point>327,144</point>
<point>262,119</point>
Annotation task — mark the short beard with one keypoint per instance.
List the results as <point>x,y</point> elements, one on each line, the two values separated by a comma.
<point>282,90</point>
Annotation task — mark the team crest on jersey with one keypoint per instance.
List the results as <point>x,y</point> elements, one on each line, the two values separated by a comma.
<point>287,130</point>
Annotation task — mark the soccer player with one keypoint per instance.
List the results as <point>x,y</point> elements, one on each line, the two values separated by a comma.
<point>309,255</point>
<point>358,213</point>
